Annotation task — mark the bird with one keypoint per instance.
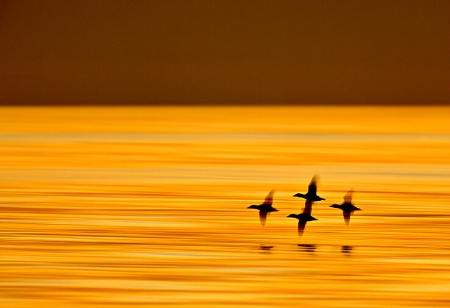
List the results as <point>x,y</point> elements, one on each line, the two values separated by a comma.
<point>311,195</point>
<point>347,207</point>
<point>265,208</point>
<point>304,217</point>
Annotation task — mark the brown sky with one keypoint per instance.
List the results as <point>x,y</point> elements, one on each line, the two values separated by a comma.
<point>224,52</point>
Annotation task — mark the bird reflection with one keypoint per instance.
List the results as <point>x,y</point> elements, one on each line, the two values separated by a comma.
<point>304,217</point>
<point>265,208</point>
<point>347,207</point>
<point>311,195</point>
<point>308,247</point>
<point>265,247</point>
<point>346,249</point>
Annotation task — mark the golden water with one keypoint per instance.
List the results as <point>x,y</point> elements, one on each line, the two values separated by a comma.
<point>131,207</point>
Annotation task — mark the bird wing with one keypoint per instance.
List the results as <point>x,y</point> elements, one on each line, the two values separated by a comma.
<point>348,196</point>
<point>301,227</point>
<point>347,215</point>
<point>308,207</point>
<point>312,187</point>
<point>263,217</point>
<point>269,198</point>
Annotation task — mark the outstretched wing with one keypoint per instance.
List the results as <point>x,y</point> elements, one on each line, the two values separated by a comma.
<point>308,207</point>
<point>312,187</point>
<point>263,217</point>
<point>269,198</point>
<point>301,227</point>
<point>348,196</point>
<point>347,215</point>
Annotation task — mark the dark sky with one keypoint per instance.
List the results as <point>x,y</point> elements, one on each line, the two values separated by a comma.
<point>224,52</point>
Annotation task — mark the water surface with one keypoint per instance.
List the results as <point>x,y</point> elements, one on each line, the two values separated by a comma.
<point>148,206</point>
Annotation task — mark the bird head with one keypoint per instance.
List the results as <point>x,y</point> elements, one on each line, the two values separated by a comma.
<point>292,216</point>
<point>253,206</point>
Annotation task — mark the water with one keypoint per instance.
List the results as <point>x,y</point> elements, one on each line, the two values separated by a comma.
<point>148,206</point>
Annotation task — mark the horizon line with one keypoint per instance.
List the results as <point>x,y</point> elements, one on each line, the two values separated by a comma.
<point>229,105</point>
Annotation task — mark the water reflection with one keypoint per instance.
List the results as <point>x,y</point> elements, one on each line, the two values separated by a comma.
<point>265,247</point>
<point>311,248</point>
<point>346,249</point>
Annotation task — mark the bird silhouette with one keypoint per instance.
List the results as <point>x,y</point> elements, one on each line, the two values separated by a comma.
<point>347,207</point>
<point>311,195</point>
<point>265,208</point>
<point>304,217</point>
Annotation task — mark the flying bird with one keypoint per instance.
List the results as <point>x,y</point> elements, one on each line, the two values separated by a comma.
<point>311,195</point>
<point>347,207</point>
<point>265,208</point>
<point>304,217</point>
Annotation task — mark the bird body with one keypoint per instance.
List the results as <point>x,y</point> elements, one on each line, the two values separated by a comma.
<point>311,195</point>
<point>303,217</point>
<point>265,208</point>
<point>347,207</point>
